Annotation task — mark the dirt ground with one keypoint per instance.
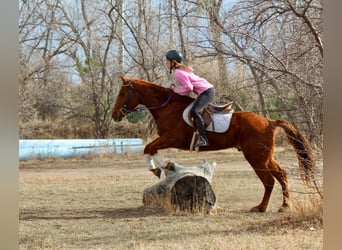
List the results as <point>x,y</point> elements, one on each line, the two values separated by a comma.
<point>227,160</point>
<point>125,164</point>
<point>69,204</point>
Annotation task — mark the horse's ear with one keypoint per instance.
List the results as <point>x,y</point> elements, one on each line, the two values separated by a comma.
<point>124,79</point>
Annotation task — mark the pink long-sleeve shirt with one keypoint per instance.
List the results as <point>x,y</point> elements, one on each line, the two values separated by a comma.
<point>189,82</point>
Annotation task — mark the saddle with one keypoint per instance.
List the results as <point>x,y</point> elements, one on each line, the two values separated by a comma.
<point>208,113</point>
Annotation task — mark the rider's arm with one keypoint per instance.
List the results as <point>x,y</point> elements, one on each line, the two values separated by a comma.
<point>185,86</point>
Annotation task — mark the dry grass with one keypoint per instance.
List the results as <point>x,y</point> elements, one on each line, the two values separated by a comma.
<point>96,203</point>
<point>64,129</point>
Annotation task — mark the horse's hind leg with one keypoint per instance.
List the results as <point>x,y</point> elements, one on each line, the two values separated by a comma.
<point>268,181</point>
<point>281,176</point>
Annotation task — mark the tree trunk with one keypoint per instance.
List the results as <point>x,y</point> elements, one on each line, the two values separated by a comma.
<point>184,188</point>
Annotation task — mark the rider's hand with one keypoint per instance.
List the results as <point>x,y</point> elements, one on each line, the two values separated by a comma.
<point>172,85</point>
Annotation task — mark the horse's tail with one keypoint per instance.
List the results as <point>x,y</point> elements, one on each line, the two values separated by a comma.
<point>303,149</point>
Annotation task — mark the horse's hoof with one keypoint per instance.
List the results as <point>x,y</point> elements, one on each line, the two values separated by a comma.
<point>283,209</point>
<point>156,172</point>
<point>257,209</point>
<point>170,166</point>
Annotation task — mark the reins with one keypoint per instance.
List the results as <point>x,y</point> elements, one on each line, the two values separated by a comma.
<point>124,110</point>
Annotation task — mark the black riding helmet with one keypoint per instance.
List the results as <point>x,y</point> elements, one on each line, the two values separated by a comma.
<point>174,55</point>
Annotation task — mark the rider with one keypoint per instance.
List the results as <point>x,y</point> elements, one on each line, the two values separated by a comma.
<point>189,82</point>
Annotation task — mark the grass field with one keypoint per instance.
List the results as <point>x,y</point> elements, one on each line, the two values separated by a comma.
<point>96,203</point>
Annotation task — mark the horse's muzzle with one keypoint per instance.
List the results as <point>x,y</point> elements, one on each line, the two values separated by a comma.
<point>117,115</point>
<point>116,118</point>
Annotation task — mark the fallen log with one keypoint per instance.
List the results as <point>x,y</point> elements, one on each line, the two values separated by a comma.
<point>183,188</point>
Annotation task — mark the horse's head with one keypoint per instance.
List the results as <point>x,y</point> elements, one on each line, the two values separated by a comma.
<point>126,101</point>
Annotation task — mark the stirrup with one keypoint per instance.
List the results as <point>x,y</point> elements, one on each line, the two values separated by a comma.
<point>201,142</point>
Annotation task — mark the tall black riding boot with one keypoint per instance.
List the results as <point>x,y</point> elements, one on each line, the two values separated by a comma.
<point>203,139</point>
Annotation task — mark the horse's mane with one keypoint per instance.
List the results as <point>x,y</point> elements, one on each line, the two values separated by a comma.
<point>161,89</point>
<point>148,84</point>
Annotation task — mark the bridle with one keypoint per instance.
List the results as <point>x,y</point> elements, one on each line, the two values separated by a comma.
<point>130,93</point>
<point>123,109</point>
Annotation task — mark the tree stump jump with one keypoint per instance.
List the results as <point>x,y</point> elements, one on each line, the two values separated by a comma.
<point>183,188</point>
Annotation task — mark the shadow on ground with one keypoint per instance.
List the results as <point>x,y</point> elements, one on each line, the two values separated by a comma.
<point>79,214</point>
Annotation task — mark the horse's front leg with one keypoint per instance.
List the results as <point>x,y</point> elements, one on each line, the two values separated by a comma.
<point>152,156</point>
<point>150,159</point>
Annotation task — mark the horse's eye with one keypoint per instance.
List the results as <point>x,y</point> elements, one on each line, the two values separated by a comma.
<point>121,94</point>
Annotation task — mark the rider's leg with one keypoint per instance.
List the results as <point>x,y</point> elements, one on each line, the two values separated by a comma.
<point>203,139</point>
<point>201,102</point>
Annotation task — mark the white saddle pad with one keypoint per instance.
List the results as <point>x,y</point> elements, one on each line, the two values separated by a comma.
<point>221,120</point>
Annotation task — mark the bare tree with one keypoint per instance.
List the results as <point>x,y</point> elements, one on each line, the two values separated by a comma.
<point>264,54</point>
<point>91,53</point>
<point>213,12</point>
<point>274,41</point>
<point>40,52</point>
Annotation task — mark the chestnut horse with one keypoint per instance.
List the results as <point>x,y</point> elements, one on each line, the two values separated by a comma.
<point>250,133</point>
